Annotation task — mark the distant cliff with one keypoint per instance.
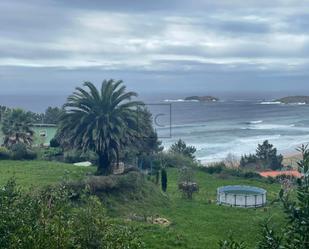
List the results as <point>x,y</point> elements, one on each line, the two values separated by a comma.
<point>202,98</point>
<point>294,100</point>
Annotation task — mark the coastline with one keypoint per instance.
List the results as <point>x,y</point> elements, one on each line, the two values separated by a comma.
<point>290,158</point>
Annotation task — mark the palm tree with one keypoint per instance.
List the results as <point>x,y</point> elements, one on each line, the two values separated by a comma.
<point>16,128</point>
<point>100,120</point>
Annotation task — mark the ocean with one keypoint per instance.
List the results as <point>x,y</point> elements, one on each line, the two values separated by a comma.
<point>219,128</point>
<point>216,128</point>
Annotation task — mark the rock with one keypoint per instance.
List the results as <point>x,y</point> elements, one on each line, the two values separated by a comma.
<point>161,221</point>
<point>300,100</point>
<point>202,98</point>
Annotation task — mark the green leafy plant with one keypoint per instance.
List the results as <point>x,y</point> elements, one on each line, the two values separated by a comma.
<point>4,153</point>
<point>231,243</point>
<point>54,219</point>
<point>19,151</point>
<point>269,238</point>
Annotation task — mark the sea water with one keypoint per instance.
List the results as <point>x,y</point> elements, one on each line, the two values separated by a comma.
<point>214,128</point>
<point>219,128</point>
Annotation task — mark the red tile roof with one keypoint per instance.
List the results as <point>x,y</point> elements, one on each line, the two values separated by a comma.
<point>294,173</point>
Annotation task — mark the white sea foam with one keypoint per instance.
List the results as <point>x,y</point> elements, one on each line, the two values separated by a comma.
<point>174,100</point>
<point>300,103</point>
<point>271,103</point>
<point>180,100</point>
<point>255,122</point>
<point>248,145</point>
<point>271,127</point>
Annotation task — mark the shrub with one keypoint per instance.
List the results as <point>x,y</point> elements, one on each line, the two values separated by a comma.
<point>215,168</point>
<point>49,219</point>
<point>4,153</point>
<point>224,172</point>
<point>54,143</point>
<point>174,160</point>
<point>75,156</point>
<point>251,174</point>
<point>186,183</point>
<point>51,153</point>
<point>248,160</point>
<point>164,180</point>
<point>231,243</point>
<point>19,151</point>
<point>30,155</point>
<point>107,184</point>
<point>294,233</point>
<point>188,189</point>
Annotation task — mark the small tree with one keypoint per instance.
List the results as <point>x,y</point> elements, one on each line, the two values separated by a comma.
<point>186,183</point>
<point>52,115</point>
<point>180,147</point>
<point>267,154</point>
<point>296,232</point>
<point>163,180</point>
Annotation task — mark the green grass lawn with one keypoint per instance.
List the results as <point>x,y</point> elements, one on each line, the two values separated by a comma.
<point>39,173</point>
<point>195,223</point>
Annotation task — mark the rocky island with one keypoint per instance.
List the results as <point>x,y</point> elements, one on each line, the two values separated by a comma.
<point>294,100</point>
<point>202,98</point>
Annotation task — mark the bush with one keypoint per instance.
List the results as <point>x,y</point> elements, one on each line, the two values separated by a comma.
<point>248,160</point>
<point>174,160</point>
<point>51,153</point>
<point>224,172</point>
<point>163,180</point>
<point>186,183</point>
<point>4,153</point>
<point>251,174</point>
<point>215,168</point>
<point>19,151</point>
<point>231,243</point>
<point>49,219</point>
<point>113,183</point>
<point>75,156</point>
<point>54,143</point>
<point>188,189</point>
<point>30,155</point>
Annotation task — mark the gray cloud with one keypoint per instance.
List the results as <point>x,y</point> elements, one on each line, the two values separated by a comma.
<point>138,38</point>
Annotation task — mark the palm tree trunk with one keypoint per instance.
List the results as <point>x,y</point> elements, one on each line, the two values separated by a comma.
<point>105,165</point>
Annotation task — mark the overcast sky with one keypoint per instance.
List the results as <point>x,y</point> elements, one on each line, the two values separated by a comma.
<point>51,46</point>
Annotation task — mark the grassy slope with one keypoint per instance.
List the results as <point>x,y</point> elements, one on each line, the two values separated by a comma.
<point>198,224</point>
<point>39,173</point>
<point>195,224</point>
